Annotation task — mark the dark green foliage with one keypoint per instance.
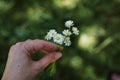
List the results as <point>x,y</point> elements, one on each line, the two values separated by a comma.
<point>98,19</point>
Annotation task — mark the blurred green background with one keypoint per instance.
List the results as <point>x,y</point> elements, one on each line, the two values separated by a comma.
<point>92,55</point>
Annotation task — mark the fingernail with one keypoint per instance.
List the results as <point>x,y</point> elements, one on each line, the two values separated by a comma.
<point>57,55</point>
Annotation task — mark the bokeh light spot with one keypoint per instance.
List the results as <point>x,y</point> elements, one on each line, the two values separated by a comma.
<point>69,4</point>
<point>76,62</point>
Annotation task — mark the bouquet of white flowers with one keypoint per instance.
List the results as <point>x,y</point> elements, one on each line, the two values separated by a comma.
<point>62,39</point>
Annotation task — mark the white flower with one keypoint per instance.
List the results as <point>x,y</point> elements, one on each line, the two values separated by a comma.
<point>52,32</point>
<point>69,23</point>
<point>67,41</point>
<point>48,36</point>
<point>67,32</point>
<point>58,38</point>
<point>75,31</point>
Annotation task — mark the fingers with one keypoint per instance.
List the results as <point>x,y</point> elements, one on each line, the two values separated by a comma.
<point>46,60</point>
<point>36,45</point>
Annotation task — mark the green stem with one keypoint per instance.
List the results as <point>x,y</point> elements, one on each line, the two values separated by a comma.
<point>53,69</point>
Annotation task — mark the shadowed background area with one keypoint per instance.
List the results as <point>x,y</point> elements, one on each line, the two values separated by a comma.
<point>93,54</point>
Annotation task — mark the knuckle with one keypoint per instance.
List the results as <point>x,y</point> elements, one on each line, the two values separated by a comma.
<point>19,43</point>
<point>12,46</point>
<point>42,40</point>
<point>29,40</point>
<point>37,40</point>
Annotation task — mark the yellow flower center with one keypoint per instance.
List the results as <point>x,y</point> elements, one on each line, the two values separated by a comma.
<point>52,33</point>
<point>68,24</point>
<point>75,30</point>
<point>67,33</point>
<point>67,40</point>
<point>57,38</point>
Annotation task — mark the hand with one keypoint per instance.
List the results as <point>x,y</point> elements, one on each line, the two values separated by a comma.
<point>20,65</point>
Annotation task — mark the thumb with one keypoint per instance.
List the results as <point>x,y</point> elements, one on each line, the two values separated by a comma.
<point>49,58</point>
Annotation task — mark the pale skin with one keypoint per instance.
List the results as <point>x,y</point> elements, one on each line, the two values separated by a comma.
<point>20,65</point>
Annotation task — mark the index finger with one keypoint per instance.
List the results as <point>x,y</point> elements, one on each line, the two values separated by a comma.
<point>36,45</point>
